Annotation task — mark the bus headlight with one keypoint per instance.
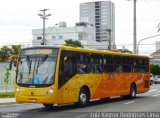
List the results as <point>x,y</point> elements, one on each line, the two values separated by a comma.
<point>49,91</point>
<point>18,90</point>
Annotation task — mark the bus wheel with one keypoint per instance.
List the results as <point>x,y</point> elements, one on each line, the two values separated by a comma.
<point>132,92</point>
<point>48,105</point>
<point>83,98</point>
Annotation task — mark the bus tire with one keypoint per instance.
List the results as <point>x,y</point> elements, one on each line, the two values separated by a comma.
<point>48,105</point>
<point>132,91</point>
<point>83,98</point>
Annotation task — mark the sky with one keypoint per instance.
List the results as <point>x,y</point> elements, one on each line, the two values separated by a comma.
<point>19,17</point>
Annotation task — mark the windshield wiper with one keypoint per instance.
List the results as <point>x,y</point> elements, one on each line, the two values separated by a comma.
<point>30,62</point>
<point>30,66</point>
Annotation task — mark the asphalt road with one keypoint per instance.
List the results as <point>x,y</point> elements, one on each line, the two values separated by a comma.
<point>148,102</point>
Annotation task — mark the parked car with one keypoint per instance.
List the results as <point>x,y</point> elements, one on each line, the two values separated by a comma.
<point>156,79</point>
<point>151,79</point>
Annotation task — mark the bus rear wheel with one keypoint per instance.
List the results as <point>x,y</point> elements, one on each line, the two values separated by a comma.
<point>83,98</point>
<point>132,92</point>
<point>48,105</point>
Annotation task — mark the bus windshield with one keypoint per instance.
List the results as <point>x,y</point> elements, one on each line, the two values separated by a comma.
<point>36,70</point>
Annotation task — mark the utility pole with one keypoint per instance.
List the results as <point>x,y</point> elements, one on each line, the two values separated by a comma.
<point>44,17</point>
<point>134,28</point>
<point>109,39</point>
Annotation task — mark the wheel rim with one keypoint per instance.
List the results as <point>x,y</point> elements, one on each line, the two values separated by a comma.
<point>83,98</point>
<point>133,92</point>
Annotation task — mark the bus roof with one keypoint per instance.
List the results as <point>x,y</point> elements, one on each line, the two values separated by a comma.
<point>64,47</point>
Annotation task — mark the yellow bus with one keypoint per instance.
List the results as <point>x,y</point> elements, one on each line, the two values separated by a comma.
<point>61,74</point>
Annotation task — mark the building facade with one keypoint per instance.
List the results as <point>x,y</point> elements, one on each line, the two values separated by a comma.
<point>101,15</point>
<point>58,35</point>
<point>157,45</point>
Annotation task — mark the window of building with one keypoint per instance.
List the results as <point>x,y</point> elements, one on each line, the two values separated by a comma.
<point>53,37</point>
<point>80,37</point>
<point>97,3</point>
<point>39,38</point>
<point>97,23</point>
<point>60,36</point>
<point>97,6</point>
<point>97,16</point>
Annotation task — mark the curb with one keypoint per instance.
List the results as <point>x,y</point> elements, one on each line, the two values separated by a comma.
<point>7,103</point>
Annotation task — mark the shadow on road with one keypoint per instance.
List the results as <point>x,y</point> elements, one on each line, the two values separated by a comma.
<point>69,107</point>
<point>70,110</point>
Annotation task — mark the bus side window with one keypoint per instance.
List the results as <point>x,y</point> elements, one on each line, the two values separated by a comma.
<point>96,63</point>
<point>118,64</point>
<point>127,64</point>
<point>83,63</point>
<point>108,63</point>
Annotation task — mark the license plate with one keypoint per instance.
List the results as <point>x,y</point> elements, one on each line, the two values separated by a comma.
<point>33,100</point>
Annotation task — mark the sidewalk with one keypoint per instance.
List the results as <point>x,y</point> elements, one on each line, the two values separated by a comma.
<point>7,100</point>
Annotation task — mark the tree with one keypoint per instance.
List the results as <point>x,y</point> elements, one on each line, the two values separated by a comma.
<point>6,52</point>
<point>155,69</point>
<point>15,49</point>
<point>6,78</point>
<point>74,43</point>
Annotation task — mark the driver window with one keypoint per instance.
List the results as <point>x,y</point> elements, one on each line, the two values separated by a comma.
<point>67,67</point>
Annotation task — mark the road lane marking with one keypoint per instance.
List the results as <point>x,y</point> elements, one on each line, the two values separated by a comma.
<point>152,90</point>
<point>81,116</point>
<point>156,95</point>
<point>129,102</point>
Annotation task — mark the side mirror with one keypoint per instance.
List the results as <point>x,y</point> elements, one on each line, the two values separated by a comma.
<point>10,65</point>
<point>12,62</point>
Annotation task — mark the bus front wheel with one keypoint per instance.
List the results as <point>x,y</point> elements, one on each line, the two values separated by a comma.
<point>48,105</point>
<point>83,98</point>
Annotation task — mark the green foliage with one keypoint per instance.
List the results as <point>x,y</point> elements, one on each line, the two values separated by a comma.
<point>155,69</point>
<point>15,49</point>
<point>7,94</point>
<point>6,76</point>
<point>6,52</point>
<point>126,51</point>
<point>74,43</point>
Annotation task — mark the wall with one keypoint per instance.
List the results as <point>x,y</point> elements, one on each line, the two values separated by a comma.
<point>3,67</point>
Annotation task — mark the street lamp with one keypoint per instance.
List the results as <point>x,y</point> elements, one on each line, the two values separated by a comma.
<point>44,17</point>
<point>50,31</point>
<point>145,39</point>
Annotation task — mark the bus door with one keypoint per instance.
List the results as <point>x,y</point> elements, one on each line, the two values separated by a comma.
<point>118,75</point>
<point>66,72</point>
<point>108,76</point>
<point>127,74</point>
